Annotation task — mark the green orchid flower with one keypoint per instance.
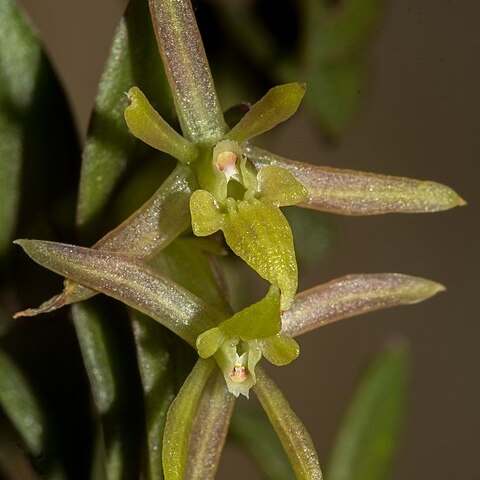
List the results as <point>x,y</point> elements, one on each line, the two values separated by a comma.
<point>233,196</point>
<point>239,343</point>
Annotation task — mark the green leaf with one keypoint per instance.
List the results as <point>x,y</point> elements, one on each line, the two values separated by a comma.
<point>292,433</point>
<point>101,340</point>
<point>130,281</point>
<point>38,146</point>
<point>252,429</point>
<point>351,192</point>
<point>209,429</point>
<point>276,106</point>
<point>156,367</point>
<point>110,147</point>
<point>180,419</point>
<point>21,406</point>
<point>187,70</point>
<point>335,94</point>
<point>354,295</point>
<point>92,334</point>
<point>152,227</point>
<point>347,29</point>
<point>369,432</point>
<point>146,124</point>
<point>260,235</point>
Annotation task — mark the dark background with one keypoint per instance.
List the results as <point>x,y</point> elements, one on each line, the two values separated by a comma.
<point>420,118</point>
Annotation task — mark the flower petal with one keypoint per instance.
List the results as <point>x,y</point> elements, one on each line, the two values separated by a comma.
<point>146,124</point>
<point>205,212</point>
<point>280,349</point>
<point>180,418</point>
<point>350,192</point>
<point>292,433</point>
<point>353,295</point>
<point>209,429</point>
<point>129,281</point>
<point>209,342</point>
<point>276,106</point>
<point>187,70</point>
<point>148,230</point>
<point>279,187</point>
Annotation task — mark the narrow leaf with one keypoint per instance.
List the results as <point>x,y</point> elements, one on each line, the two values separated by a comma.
<point>20,405</point>
<point>335,94</point>
<point>152,227</point>
<point>252,430</point>
<point>129,281</point>
<point>147,125</point>
<point>187,70</point>
<point>100,340</point>
<point>93,340</point>
<point>38,146</point>
<point>180,419</point>
<point>350,192</point>
<point>292,433</point>
<point>369,433</point>
<point>348,29</point>
<point>354,295</point>
<point>110,146</point>
<point>276,106</point>
<point>209,429</point>
<point>156,370</point>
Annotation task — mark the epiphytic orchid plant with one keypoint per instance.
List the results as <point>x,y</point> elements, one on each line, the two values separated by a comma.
<point>224,183</point>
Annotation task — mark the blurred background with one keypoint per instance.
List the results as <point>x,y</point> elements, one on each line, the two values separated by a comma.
<point>418,117</point>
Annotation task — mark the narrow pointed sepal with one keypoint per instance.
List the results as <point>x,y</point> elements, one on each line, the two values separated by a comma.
<point>130,281</point>
<point>354,295</point>
<point>293,435</point>
<point>146,124</point>
<point>147,231</point>
<point>180,419</point>
<point>351,192</point>
<point>187,70</point>
<point>209,429</point>
<point>276,106</point>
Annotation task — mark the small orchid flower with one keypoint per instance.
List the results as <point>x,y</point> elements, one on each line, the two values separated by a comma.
<point>239,343</point>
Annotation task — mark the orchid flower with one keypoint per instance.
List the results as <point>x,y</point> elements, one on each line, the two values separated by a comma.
<point>223,182</point>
